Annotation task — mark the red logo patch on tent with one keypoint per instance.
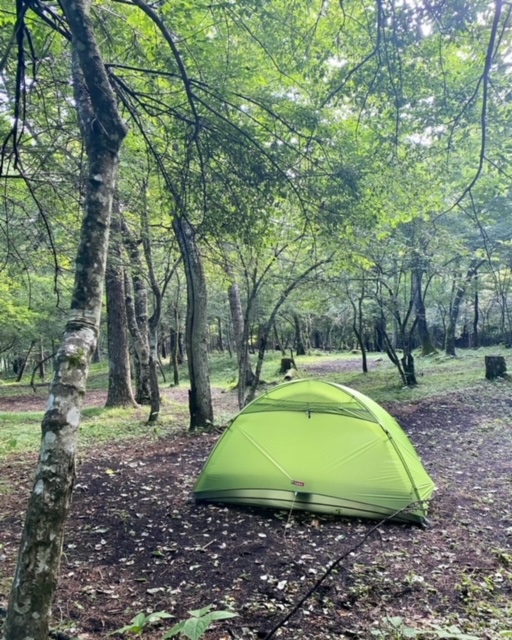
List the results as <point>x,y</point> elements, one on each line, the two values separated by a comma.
<point>297,483</point>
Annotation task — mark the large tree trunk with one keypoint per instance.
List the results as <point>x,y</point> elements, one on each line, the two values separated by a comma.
<point>196,333</point>
<point>427,346</point>
<point>120,392</point>
<point>37,568</point>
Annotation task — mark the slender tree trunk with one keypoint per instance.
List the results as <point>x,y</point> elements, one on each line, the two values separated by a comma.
<point>279,342</point>
<point>140,345</point>
<point>299,344</point>
<point>120,392</point>
<point>175,349</point>
<point>42,359</point>
<point>37,568</point>
<point>154,320</point>
<point>137,306</point>
<point>241,334</point>
<point>475,340</point>
<point>196,334</point>
<point>427,347</point>
<point>409,372</point>
<point>153,376</point>
<point>220,342</point>
<point>453,315</point>
<point>24,362</point>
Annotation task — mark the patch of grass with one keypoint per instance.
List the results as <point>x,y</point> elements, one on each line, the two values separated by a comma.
<point>20,417</point>
<point>21,432</point>
<point>437,375</point>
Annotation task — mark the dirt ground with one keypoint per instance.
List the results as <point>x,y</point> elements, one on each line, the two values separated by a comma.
<point>136,541</point>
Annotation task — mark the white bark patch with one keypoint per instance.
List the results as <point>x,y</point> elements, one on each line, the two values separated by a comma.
<point>49,404</point>
<point>49,439</point>
<point>43,560</point>
<point>39,487</point>
<point>73,417</point>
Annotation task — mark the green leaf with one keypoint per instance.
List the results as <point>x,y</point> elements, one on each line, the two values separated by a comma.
<point>198,613</point>
<point>158,615</point>
<point>395,621</point>
<point>139,620</point>
<point>220,615</point>
<point>174,631</point>
<point>195,627</point>
<point>135,626</point>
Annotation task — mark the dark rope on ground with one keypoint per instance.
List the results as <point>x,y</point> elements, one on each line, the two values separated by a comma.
<point>333,566</point>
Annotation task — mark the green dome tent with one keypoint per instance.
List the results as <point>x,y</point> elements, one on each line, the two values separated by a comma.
<point>317,446</point>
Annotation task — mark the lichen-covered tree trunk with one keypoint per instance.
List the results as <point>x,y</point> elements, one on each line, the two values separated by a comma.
<point>196,331</point>
<point>36,575</point>
<point>140,343</point>
<point>120,392</point>
<point>137,310</point>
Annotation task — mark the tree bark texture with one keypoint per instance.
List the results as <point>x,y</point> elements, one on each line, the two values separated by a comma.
<point>120,393</point>
<point>36,574</point>
<point>196,327</point>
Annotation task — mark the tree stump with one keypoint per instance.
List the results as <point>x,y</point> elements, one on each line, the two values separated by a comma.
<point>495,367</point>
<point>287,364</point>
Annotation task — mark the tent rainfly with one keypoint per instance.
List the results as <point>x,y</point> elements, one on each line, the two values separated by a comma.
<point>321,447</point>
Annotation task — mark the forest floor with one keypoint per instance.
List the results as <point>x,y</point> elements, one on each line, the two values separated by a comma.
<point>136,541</point>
